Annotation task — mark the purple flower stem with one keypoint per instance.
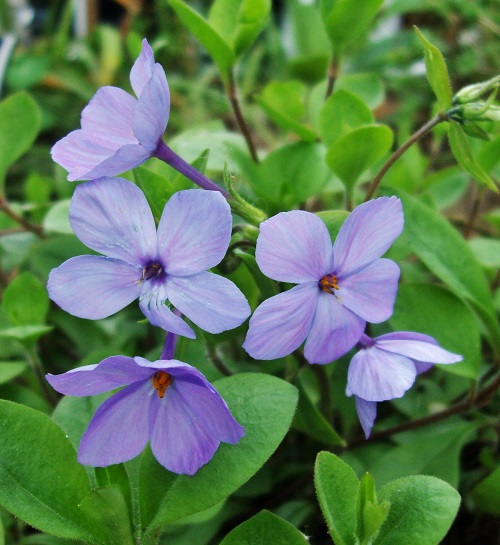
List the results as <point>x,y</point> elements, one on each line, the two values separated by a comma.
<point>164,153</point>
<point>169,347</point>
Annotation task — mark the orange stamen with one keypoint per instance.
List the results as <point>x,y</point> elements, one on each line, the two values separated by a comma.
<point>161,381</point>
<point>329,283</point>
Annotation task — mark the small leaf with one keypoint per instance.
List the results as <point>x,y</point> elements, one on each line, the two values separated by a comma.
<point>26,334</point>
<point>337,489</point>
<point>216,46</point>
<point>371,514</point>
<point>57,218</point>
<point>485,495</point>
<point>355,152</point>
<point>422,510</point>
<point>437,73</point>
<point>20,121</point>
<point>25,300</point>
<point>264,529</point>
<point>10,370</point>
<point>463,154</point>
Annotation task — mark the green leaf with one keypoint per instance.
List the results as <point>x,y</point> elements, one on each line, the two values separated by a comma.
<point>337,489</point>
<point>462,151</point>
<point>487,251</point>
<point>341,113</point>
<point>368,87</point>
<point>26,334</point>
<point>57,218</point>
<point>437,73</point>
<point>217,47</point>
<point>422,510</point>
<point>263,529</point>
<point>40,480</point>
<point>265,406</point>
<point>239,22</point>
<point>10,370</point>
<point>20,121</point>
<point>443,250</point>
<point>283,101</point>
<point>106,509</point>
<point>435,311</point>
<point>345,22</point>
<point>355,152</point>
<point>371,515</point>
<point>334,219</point>
<point>486,494</point>
<point>25,300</point>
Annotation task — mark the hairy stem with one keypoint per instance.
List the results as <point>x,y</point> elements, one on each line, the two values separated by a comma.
<point>399,152</point>
<point>245,131</point>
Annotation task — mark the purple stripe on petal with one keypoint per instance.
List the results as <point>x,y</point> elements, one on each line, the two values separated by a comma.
<point>119,429</point>
<point>93,287</point>
<point>371,292</point>
<point>367,412</point>
<point>418,350</point>
<point>113,217</point>
<point>194,231</point>
<point>334,331</point>
<point>178,441</point>
<point>281,324</point>
<point>142,69</point>
<point>294,247</point>
<point>152,110</point>
<point>152,303</point>
<point>109,374</point>
<point>367,234</point>
<point>212,302</point>
<point>377,375</point>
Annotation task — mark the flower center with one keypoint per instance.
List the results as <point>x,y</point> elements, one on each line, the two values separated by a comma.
<point>152,271</point>
<point>328,283</point>
<point>161,381</point>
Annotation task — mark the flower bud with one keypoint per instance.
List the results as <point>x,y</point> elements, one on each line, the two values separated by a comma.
<point>470,93</point>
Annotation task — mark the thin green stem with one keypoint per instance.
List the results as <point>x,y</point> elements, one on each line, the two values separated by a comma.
<point>474,211</point>
<point>399,152</point>
<point>232,95</point>
<point>36,366</point>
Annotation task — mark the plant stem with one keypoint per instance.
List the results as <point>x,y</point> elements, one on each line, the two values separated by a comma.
<point>469,228</point>
<point>397,154</point>
<point>245,131</point>
<point>27,226</point>
<point>36,366</point>
<point>481,399</point>
<point>333,69</point>
<point>164,153</point>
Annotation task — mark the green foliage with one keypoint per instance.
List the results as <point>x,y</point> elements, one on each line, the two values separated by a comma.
<point>486,494</point>
<point>25,301</point>
<point>371,515</point>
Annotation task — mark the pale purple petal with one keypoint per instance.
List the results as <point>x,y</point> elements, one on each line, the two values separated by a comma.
<point>178,441</point>
<point>152,303</point>
<point>422,367</point>
<point>119,429</point>
<point>113,217</point>
<point>152,110</point>
<point>367,412</point>
<point>371,292</point>
<point>281,324</point>
<point>143,68</point>
<point>366,234</point>
<point>334,331</point>
<point>89,380</point>
<point>212,302</point>
<point>194,231</point>
<point>294,247</point>
<point>420,349</point>
<point>377,375</point>
<point>94,287</point>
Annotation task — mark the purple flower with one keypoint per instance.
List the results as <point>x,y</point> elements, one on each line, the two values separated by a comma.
<point>166,402</point>
<point>386,367</point>
<point>112,216</point>
<point>119,132</point>
<point>339,288</point>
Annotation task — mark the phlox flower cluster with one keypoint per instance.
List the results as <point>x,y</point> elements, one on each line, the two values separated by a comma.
<point>338,288</point>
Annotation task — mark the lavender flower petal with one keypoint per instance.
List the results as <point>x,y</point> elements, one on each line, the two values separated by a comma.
<point>118,430</point>
<point>417,349</point>
<point>367,412</point>
<point>281,324</point>
<point>334,331</point>
<point>194,231</point>
<point>109,374</point>
<point>377,375</point>
<point>294,247</point>
<point>143,67</point>
<point>113,217</point>
<point>212,302</point>
<point>371,292</point>
<point>93,287</point>
<point>367,234</point>
<point>152,303</point>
